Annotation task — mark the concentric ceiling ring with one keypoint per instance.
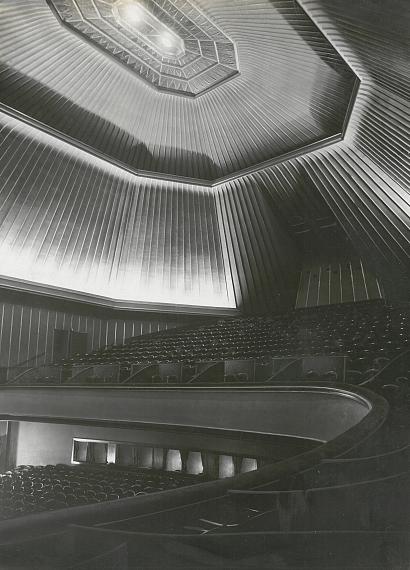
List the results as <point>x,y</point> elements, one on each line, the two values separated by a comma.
<point>172,45</point>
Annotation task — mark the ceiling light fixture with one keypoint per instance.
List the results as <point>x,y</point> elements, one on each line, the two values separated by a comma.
<point>132,13</point>
<point>166,40</point>
<point>169,43</point>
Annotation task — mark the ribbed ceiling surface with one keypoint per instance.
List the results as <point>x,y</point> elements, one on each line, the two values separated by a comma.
<point>86,226</point>
<point>293,90</point>
<point>372,35</point>
<point>362,182</point>
<point>171,45</point>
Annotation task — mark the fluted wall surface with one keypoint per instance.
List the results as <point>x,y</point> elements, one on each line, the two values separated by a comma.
<point>372,208</point>
<point>345,280</point>
<point>380,128</point>
<point>263,260</point>
<point>366,179</point>
<point>27,332</point>
<point>73,222</point>
<point>64,213</point>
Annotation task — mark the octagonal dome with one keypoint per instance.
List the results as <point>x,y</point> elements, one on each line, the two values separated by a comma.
<point>294,91</point>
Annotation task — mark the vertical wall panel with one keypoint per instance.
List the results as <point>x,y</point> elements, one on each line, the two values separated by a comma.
<point>366,180</point>
<point>344,283</point>
<point>71,221</point>
<point>338,281</point>
<point>262,258</point>
<point>27,332</point>
<point>374,211</point>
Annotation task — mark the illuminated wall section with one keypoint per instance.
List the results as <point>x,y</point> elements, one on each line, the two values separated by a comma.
<point>69,220</point>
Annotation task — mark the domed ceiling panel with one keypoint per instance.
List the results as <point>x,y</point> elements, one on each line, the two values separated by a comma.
<point>293,90</point>
<point>171,45</point>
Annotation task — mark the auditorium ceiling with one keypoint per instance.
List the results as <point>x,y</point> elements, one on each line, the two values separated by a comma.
<point>172,45</point>
<point>112,188</point>
<point>115,76</point>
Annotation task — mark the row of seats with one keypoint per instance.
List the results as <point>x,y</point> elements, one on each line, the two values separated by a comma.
<point>31,489</point>
<point>369,334</point>
<point>361,330</point>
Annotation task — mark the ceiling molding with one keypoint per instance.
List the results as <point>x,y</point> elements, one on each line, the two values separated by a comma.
<point>27,287</point>
<point>150,175</point>
<point>293,91</point>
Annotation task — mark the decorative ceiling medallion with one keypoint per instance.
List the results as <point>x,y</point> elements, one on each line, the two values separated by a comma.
<point>172,45</point>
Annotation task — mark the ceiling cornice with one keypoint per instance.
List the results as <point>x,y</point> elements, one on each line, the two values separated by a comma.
<point>151,175</point>
<point>23,286</point>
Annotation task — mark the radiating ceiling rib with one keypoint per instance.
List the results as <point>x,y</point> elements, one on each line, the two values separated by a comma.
<point>279,102</point>
<point>372,36</point>
<point>380,127</point>
<point>66,222</point>
<point>364,181</point>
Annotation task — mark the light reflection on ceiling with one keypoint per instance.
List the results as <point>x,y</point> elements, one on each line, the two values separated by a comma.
<point>139,21</point>
<point>293,89</point>
<point>171,45</point>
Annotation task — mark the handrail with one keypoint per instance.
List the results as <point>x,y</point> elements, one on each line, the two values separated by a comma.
<point>211,364</point>
<point>86,368</point>
<point>395,359</point>
<point>288,492</point>
<point>344,461</point>
<point>285,367</point>
<point>16,378</point>
<point>24,362</point>
<point>142,369</point>
<point>295,359</point>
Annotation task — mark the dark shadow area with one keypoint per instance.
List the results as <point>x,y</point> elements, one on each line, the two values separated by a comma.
<point>313,39</point>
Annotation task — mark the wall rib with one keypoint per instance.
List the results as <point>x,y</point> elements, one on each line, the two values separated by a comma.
<point>263,259</point>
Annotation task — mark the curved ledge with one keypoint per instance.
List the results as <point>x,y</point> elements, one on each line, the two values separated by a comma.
<point>319,413</point>
<point>190,181</point>
<point>20,285</point>
<point>374,410</point>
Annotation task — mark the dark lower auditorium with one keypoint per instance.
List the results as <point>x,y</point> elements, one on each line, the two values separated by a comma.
<point>204,284</point>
